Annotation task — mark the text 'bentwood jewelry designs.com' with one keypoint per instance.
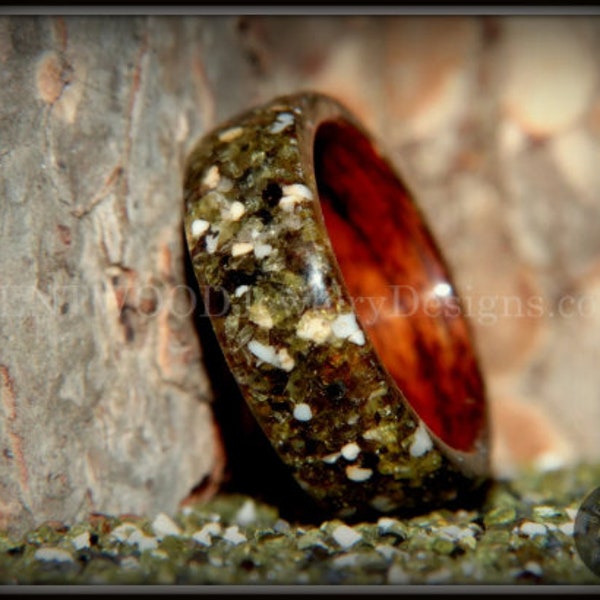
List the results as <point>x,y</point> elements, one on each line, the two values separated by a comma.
<point>335,310</point>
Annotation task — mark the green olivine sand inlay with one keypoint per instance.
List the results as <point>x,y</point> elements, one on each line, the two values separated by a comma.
<point>523,534</point>
<point>287,326</point>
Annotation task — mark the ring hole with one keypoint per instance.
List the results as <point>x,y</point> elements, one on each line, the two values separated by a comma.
<point>400,286</point>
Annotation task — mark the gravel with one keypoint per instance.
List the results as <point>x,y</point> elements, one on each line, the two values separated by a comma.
<point>523,534</point>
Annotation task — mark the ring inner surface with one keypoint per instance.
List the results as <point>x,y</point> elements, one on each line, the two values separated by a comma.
<point>399,284</point>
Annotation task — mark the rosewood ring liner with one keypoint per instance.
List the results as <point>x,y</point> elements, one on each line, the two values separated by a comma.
<point>336,312</point>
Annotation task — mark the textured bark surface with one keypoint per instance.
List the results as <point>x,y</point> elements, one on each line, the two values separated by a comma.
<point>103,396</point>
<point>104,399</point>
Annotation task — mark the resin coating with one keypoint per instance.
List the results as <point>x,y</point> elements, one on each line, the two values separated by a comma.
<point>308,243</point>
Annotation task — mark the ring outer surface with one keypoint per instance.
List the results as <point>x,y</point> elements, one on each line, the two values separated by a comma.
<point>287,327</point>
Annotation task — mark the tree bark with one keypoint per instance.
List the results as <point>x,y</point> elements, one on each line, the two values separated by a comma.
<point>105,404</point>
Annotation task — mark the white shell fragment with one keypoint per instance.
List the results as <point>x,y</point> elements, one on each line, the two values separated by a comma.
<point>53,554</point>
<point>199,226</point>
<point>302,412</point>
<point>204,536</point>
<point>269,354</point>
<point>531,529</point>
<point>231,134</point>
<point>346,536</point>
<point>350,451</point>
<point>293,194</point>
<point>314,328</point>
<point>241,248</point>
<point>358,474</point>
<point>246,515</point>
<point>236,211</point>
<point>234,536</point>
<point>283,121</point>
<point>163,525</point>
<point>346,327</point>
<point>81,541</point>
<point>421,442</point>
<point>212,177</point>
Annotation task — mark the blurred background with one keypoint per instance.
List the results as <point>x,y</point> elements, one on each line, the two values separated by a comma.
<point>495,122</point>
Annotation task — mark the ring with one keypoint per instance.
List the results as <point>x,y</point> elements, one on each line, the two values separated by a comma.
<point>337,314</point>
